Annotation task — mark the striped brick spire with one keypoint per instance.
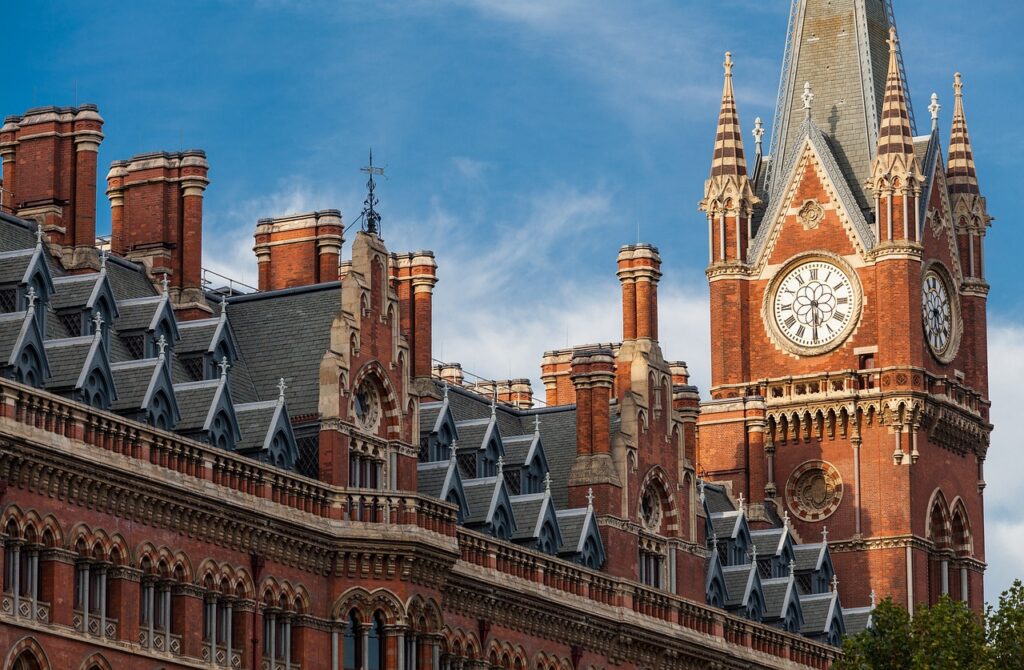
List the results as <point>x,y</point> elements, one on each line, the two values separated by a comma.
<point>960,172</point>
<point>728,158</point>
<point>894,134</point>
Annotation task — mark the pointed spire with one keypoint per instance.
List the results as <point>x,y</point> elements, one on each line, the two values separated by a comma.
<point>894,134</point>
<point>933,109</point>
<point>960,170</point>
<point>728,157</point>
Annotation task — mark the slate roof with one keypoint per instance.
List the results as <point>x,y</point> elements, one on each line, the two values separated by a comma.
<point>73,291</point>
<point>430,477</point>
<point>726,524</point>
<point>716,499</point>
<point>480,493</point>
<point>16,233</point>
<point>137,313</point>
<point>527,510</point>
<point>768,541</point>
<point>11,326</point>
<point>194,401</point>
<point>816,609</point>
<point>66,358</point>
<point>14,264</point>
<point>132,380</point>
<point>572,523</point>
<point>254,421</point>
<point>285,334</point>
<point>429,415</point>
<point>196,336</point>
<point>856,619</point>
<point>808,557</point>
<point>775,591</point>
<point>736,579</point>
<point>128,280</point>
<point>517,448</point>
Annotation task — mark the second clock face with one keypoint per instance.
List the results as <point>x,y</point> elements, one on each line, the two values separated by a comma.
<point>814,304</point>
<point>938,313</point>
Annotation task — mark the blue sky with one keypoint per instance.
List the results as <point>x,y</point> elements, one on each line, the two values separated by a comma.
<point>524,142</point>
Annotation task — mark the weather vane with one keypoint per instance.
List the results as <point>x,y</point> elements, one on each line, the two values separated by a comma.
<point>370,215</point>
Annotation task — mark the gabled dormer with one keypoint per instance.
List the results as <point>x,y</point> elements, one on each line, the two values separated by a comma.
<point>204,344</point>
<point>525,462</point>
<point>714,582</point>
<point>80,369</point>
<point>141,324</point>
<point>480,446</point>
<point>267,433</point>
<point>441,479</point>
<point>581,538</point>
<point>24,278</point>
<point>774,550</point>
<point>732,533</point>
<point>537,522</point>
<point>744,591</point>
<point>490,509</point>
<point>146,393</point>
<point>782,603</point>
<point>207,413</point>
<point>813,567</point>
<point>22,354</point>
<point>438,431</point>
<point>78,298</point>
<point>823,617</point>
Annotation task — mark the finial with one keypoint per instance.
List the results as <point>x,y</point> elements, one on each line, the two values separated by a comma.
<point>835,583</point>
<point>743,505</point>
<point>494,402</point>
<point>824,534</point>
<point>808,98</point>
<point>701,486</point>
<point>758,134</point>
<point>166,284</point>
<point>501,465</point>
<point>370,214</point>
<point>893,40</point>
<point>785,519</point>
<point>161,347</point>
<point>536,424</point>
<point>39,236</point>
<point>958,85</point>
<point>792,567</point>
<point>453,452</point>
<point>873,598</point>
<point>446,390</point>
<point>934,108</point>
<point>753,556</point>
<point>97,324</point>
<point>547,483</point>
<point>281,386</point>
<point>31,297</point>
<point>590,499</point>
<point>223,308</point>
<point>714,540</point>
<point>224,365</point>
<point>728,64</point>
<point>103,261</point>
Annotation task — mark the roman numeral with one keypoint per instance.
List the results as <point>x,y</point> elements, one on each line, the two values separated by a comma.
<point>814,274</point>
<point>800,331</point>
<point>785,308</point>
<point>790,322</point>
<point>842,301</point>
<point>799,279</point>
<point>839,316</point>
<point>838,286</point>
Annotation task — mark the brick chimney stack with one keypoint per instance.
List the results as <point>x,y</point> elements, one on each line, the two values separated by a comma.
<point>156,205</point>
<point>49,174</point>
<point>414,276</point>
<point>639,272</point>
<point>450,372</point>
<point>298,249</point>
<point>593,375</point>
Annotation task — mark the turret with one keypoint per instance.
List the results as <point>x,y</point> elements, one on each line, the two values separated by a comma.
<point>970,216</point>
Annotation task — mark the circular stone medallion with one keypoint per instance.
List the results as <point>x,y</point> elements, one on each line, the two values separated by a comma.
<point>814,490</point>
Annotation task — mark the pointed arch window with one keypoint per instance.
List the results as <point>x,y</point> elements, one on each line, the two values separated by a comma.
<point>353,642</point>
<point>375,644</point>
<point>21,573</point>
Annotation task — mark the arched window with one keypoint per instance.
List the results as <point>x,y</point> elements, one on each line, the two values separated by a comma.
<point>155,607</point>
<point>375,645</point>
<point>220,432</point>
<point>96,392</point>
<point>29,370</point>
<point>26,661</point>
<point>21,570</point>
<point>92,606</point>
<point>591,554</point>
<point>547,540</point>
<point>353,642</point>
<point>502,526</point>
<point>219,622</point>
<point>160,411</point>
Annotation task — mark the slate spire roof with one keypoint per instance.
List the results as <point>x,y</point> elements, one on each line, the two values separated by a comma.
<point>840,48</point>
<point>894,132</point>
<point>728,158</point>
<point>960,171</point>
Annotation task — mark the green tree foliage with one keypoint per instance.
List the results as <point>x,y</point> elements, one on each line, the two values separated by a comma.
<point>947,635</point>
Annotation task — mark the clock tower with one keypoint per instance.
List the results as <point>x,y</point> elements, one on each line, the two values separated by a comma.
<point>847,293</point>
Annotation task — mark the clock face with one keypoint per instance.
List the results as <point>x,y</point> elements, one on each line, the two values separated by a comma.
<point>814,305</point>
<point>938,313</point>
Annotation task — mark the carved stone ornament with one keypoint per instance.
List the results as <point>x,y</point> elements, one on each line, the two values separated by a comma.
<point>814,490</point>
<point>810,214</point>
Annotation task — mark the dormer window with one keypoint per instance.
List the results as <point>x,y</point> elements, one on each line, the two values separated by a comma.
<point>8,300</point>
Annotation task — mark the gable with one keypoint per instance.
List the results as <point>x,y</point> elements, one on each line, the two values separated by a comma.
<point>791,224</point>
<point>938,232</point>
